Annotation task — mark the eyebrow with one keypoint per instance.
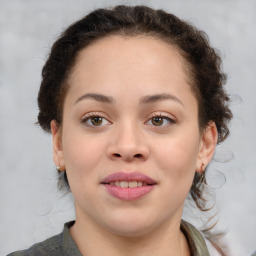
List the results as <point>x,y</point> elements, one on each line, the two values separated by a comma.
<point>160,97</point>
<point>144,100</point>
<point>97,97</point>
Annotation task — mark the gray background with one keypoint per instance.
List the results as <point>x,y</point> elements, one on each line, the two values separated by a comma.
<point>31,207</point>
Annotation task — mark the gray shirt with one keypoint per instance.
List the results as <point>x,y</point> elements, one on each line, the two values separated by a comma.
<point>64,245</point>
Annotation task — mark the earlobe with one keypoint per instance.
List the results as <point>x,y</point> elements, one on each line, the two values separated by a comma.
<point>57,145</point>
<point>207,147</point>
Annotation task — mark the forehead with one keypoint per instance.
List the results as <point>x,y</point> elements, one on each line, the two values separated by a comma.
<point>130,51</point>
<point>140,62</point>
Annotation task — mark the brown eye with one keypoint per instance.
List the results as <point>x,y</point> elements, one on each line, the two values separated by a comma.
<point>96,120</point>
<point>160,121</point>
<point>157,121</point>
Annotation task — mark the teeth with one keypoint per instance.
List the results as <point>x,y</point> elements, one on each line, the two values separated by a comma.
<point>128,184</point>
<point>124,184</point>
<point>132,184</point>
<point>139,183</point>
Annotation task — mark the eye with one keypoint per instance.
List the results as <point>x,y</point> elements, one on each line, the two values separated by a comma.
<point>160,120</point>
<point>95,120</point>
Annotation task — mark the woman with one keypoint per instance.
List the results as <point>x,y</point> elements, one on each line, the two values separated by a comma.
<point>134,100</point>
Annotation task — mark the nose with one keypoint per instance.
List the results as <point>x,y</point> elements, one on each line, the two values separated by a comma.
<point>128,144</point>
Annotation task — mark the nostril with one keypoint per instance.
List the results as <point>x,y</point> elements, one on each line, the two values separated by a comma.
<point>135,156</point>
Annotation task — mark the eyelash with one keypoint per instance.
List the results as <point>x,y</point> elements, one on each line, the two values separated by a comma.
<point>170,120</point>
<point>90,116</point>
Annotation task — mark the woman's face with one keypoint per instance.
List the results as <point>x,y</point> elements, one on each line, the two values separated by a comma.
<point>130,119</point>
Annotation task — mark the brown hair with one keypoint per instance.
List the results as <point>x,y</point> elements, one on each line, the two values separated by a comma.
<point>202,64</point>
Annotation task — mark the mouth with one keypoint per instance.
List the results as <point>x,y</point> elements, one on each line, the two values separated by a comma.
<point>128,186</point>
<point>128,180</point>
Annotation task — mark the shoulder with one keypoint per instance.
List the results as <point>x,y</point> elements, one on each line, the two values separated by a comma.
<point>59,245</point>
<point>51,246</point>
<point>195,239</point>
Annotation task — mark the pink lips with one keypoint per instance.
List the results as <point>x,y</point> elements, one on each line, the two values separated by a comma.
<point>129,194</point>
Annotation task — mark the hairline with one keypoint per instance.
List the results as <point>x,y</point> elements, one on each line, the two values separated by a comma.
<point>133,33</point>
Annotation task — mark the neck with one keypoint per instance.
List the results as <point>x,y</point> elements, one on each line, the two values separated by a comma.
<point>164,241</point>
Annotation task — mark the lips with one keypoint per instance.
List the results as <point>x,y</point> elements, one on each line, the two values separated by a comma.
<point>128,186</point>
<point>130,176</point>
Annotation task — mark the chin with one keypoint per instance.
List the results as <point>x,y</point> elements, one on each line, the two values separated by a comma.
<point>132,227</point>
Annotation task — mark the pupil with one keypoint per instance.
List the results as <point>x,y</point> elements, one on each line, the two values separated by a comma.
<point>157,121</point>
<point>96,120</point>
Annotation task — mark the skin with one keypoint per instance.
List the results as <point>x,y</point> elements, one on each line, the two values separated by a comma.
<point>128,70</point>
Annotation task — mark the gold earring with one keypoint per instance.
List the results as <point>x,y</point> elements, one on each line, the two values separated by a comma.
<point>202,178</point>
<point>202,168</point>
<point>59,169</point>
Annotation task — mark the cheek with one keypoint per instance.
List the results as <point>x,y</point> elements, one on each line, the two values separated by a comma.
<point>178,158</point>
<point>177,164</point>
<point>81,154</point>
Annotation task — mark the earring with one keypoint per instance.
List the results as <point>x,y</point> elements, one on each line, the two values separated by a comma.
<point>58,168</point>
<point>202,168</point>
<point>202,177</point>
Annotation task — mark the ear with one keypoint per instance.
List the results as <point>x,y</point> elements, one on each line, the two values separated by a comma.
<point>57,145</point>
<point>207,146</point>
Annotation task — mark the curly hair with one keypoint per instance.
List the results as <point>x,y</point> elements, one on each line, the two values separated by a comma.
<point>202,65</point>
